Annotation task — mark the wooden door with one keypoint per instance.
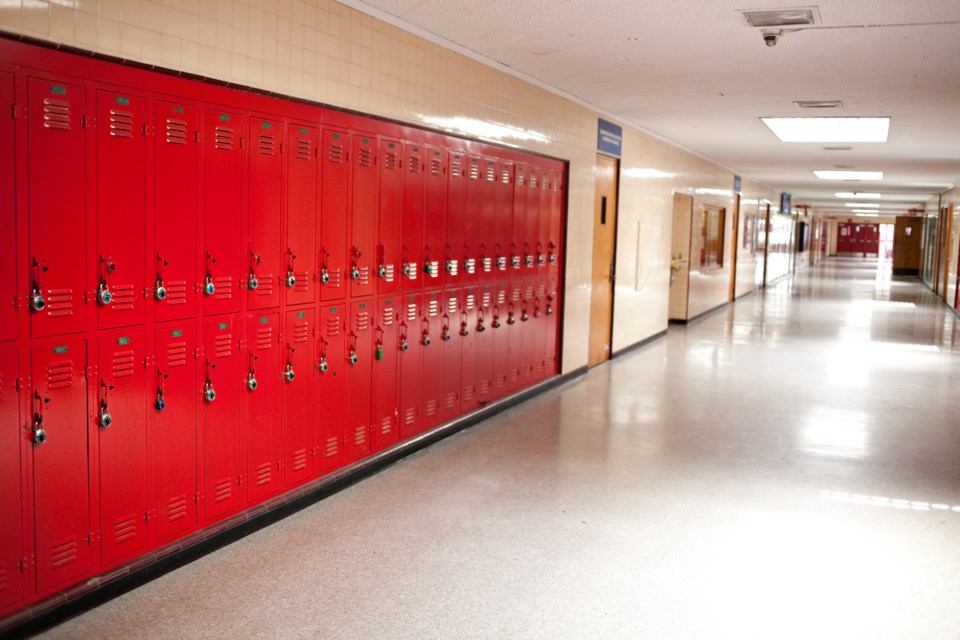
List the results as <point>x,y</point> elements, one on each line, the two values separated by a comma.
<point>734,246</point>
<point>604,246</point>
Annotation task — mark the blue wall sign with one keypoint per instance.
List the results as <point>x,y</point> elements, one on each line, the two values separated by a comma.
<point>609,138</point>
<point>786,207</point>
<point>736,184</point>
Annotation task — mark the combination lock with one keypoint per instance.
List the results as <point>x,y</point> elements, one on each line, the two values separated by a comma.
<point>37,303</point>
<point>323,364</point>
<point>403,344</point>
<point>160,291</point>
<point>103,294</point>
<point>425,339</point>
<point>354,273</point>
<point>382,271</point>
<point>324,276</point>
<point>288,374</point>
<point>253,283</point>
<point>39,435</point>
<point>379,351</point>
<point>160,404</point>
<point>291,279</point>
<point>105,420</point>
<point>209,393</point>
<point>208,286</point>
<point>252,382</point>
<point>353,359</point>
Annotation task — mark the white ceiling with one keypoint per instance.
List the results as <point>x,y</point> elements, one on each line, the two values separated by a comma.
<point>694,73</point>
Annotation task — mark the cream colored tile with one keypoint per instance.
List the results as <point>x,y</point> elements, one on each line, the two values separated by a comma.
<point>132,12</point>
<point>152,50</point>
<point>171,22</point>
<point>36,20</point>
<point>170,51</point>
<point>87,27</point>
<point>108,35</point>
<point>11,17</point>
<point>207,59</point>
<point>131,39</point>
<point>151,16</point>
<point>224,64</point>
<point>111,9</point>
<point>189,26</point>
<point>190,56</point>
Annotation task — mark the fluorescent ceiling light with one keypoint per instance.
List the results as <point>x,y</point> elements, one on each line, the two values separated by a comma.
<point>635,172</point>
<point>866,214</point>
<point>818,104</point>
<point>714,192</point>
<point>829,129</point>
<point>781,17</point>
<point>849,175</point>
<point>858,195</point>
<point>863,205</point>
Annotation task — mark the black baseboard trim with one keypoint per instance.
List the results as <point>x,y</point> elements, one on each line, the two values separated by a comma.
<point>700,316</point>
<point>99,589</point>
<point>637,345</point>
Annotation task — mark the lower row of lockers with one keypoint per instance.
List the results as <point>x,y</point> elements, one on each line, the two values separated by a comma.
<point>132,439</point>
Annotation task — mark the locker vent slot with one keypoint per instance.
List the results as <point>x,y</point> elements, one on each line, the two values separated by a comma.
<point>474,170</point>
<point>513,376</point>
<point>386,426</point>
<point>176,131</point>
<point>121,124</point>
<point>176,508</point>
<point>224,288</point>
<point>486,299</point>
<point>222,346</point>
<point>528,293</point>
<point>436,167</point>
<point>388,316</point>
<point>123,364</point>
<point>487,265</point>
<point>60,303</point>
<point>333,326</point>
<point>505,177</point>
<point>545,184</point>
<point>520,180</point>
<point>360,436</point>
<point>471,302</point>
<point>267,145</point>
<point>365,157</point>
<point>410,416</point>
<point>498,382</point>
<point>223,138</point>
<point>541,290</point>
<point>484,387</point>
<point>364,279</point>
<point>176,354</point>
<point>432,407</point>
<point>336,278</point>
<point>491,173</point>
<point>301,331</point>
<point>303,149</point>
<point>451,400</point>
<point>336,154</point>
<point>222,490</point>
<point>389,271</point>
<point>300,460</point>
<point>125,529</point>
<point>501,297</point>
<point>302,281</point>
<point>332,447</point>
<point>468,394</point>
<point>56,114</point>
<point>452,305</point>
<point>362,322</point>
<point>456,167</point>
<point>59,374</point>
<point>433,308</point>
<point>414,165</point>
<point>515,295</point>
<point>123,297</point>
<point>411,312</point>
<point>412,275</point>
<point>434,268</point>
<point>264,338</point>
<point>556,184</point>
<point>390,161</point>
<point>176,292</point>
<point>264,474</point>
<point>63,553</point>
<point>266,284</point>
<point>533,180</point>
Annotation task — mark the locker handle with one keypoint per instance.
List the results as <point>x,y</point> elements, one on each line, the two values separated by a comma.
<point>425,338</point>
<point>510,318</point>
<point>464,331</point>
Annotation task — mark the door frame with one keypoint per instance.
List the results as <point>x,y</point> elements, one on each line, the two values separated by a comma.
<point>613,260</point>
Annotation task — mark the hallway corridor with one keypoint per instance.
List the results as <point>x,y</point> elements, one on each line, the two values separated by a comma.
<point>786,468</point>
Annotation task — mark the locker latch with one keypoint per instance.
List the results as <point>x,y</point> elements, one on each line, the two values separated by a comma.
<point>208,287</point>
<point>160,404</point>
<point>496,320</point>
<point>510,318</point>
<point>552,258</point>
<point>536,308</point>
<point>470,265</point>
<point>107,266</point>
<point>252,281</point>
<point>541,259</point>
<point>549,305</point>
<point>160,291</point>
<point>38,433</point>
<point>451,267</point>
<point>480,326</point>
<point>464,331</point>
<point>288,374</point>
<point>354,268</point>
<point>425,337</point>
<point>103,293</point>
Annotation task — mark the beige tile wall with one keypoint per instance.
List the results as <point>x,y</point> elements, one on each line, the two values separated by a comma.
<point>324,51</point>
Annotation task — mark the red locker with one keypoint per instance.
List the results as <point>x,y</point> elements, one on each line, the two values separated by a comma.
<point>555,215</point>
<point>434,217</point>
<point>390,209</point>
<point>363,215</point>
<point>121,419</point>
<point>220,417</point>
<point>359,359</point>
<point>474,228</point>
<point>515,336</point>
<point>411,228</point>
<point>121,209</point>
<point>455,249</point>
<point>450,348</point>
<point>467,330</point>
<point>299,433</point>
<point>56,199</point>
<point>223,201</point>
<point>531,233</point>
<point>11,477</point>
<point>302,214</point>
<point>528,338</point>
<point>498,323</point>
<point>537,330</point>
<point>265,184</point>
<point>175,218</point>
<point>61,491</point>
<point>331,385</point>
<point>502,198</point>
<point>174,403</point>
<point>8,215</point>
<point>334,214</point>
<point>261,403</point>
<point>485,345</point>
<point>431,334</point>
<point>410,372</point>
<point>486,222</point>
<point>518,240</point>
<point>386,351</point>
<point>551,310</point>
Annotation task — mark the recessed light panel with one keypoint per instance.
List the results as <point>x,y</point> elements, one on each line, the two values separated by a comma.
<point>818,104</point>
<point>849,175</point>
<point>863,205</point>
<point>829,129</point>
<point>781,17</point>
<point>860,195</point>
<point>867,214</point>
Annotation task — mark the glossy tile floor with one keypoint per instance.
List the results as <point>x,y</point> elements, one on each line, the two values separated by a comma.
<point>786,468</point>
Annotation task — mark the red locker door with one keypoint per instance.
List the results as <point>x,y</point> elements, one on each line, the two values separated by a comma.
<point>467,330</point>
<point>411,228</point>
<point>431,324</point>
<point>515,336</point>
<point>385,367</point>
<point>334,214</point>
<point>331,386</point>
<point>220,417</point>
<point>501,339</point>
<point>502,198</point>
<point>363,215</point>
<point>434,217</point>
<point>302,214</point>
<point>518,240</point>
<point>56,199</point>
<point>175,219</point>
<point>409,341</point>
<point>543,237</point>
<point>486,222</point>
<point>537,329</point>
<point>121,417</point>
<point>389,221</point>
<point>528,337</point>
<point>454,251</point>
<point>556,221</point>
<point>485,345</point>
<point>473,224</point>
<point>61,491</point>
<point>263,207</point>
<point>175,431</point>
<point>8,239</point>
<point>121,209</point>
<point>531,233</point>
<point>11,476</point>
<point>551,310</point>
<point>222,214</point>
<point>299,435</point>
<point>359,358</point>
<point>450,346</point>
<point>261,400</point>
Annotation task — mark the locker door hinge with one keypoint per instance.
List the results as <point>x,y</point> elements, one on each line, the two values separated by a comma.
<point>196,137</point>
<point>89,122</point>
<point>241,479</point>
<point>22,564</point>
<point>281,148</point>
<point>18,384</point>
<point>197,353</point>
<point>90,373</point>
<point>241,142</point>
<point>197,497</point>
<point>92,537</point>
<point>146,517</point>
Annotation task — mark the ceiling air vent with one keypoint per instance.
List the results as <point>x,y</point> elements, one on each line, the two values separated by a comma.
<point>818,104</point>
<point>794,17</point>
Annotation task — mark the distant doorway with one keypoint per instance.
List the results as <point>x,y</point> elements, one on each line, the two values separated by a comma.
<point>604,254</point>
